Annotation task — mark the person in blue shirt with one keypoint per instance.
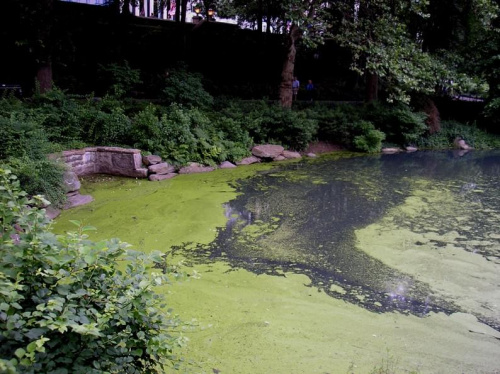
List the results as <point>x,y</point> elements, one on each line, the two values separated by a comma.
<point>310,90</point>
<point>295,87</point>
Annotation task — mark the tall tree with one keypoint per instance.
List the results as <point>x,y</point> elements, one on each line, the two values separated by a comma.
<point>405,44</point>
<point>296,20</point>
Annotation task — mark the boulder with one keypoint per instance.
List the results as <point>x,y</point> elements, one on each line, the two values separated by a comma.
<point>267,151</point>
<point>71,181</point>
<point>151,160</point>
<point>227,165</point>
<point>162,168</point>
<point>77,200</point>
<point>160,177</point>
<point>312,155</point>
<point>194,167</point>
<point>248,160</point>
<point>279,158</point>
<point>461,144</point>
<point>390,150</point>
<point>291,154</point>
<point>411,149</point>
<point>52,212</point>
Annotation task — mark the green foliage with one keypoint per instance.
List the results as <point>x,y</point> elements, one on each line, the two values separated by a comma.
<point>370,140</point>
<point>121,78</point>
<point>40,177</point>
<point>270,123</point>
<point>183,135</point>
<point>186,88</point>
<point>450,130</point>
<point>58,114</point>
<point>398,122</point>
<point>24,149</point>
<point>336,124</point>
<point>106,127</point>
<point>66,305</point>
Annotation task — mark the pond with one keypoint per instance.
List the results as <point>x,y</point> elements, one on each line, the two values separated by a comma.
<point>341,264</point>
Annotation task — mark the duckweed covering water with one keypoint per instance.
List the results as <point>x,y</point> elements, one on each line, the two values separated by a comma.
<point>326,266</point>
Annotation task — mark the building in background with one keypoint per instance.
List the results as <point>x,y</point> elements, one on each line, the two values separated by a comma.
<point>153,9</point>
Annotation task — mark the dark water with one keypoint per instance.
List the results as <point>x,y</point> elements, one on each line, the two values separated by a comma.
<point>301,218</point>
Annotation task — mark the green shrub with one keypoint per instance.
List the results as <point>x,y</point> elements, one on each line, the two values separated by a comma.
<point>270,123</point>
<point>24,149</point>
<point>398,122</point>
<point>65,304</point>
<point>370,140</point>
<point>120,78</point>
<point>186,88</point>
<point>183,135</point>
<point>107,129</point>
<point>59,115</point>
<point>450,130</point>
<point>22,135</point>
<point>40,177</point>
<point>335,124</point>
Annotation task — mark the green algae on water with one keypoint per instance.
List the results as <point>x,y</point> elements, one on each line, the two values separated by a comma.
<point>307,277</point>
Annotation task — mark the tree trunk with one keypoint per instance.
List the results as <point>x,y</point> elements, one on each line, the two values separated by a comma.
<point>177,16</point>
<point>259,17</point>
<point>371,87</point>
<point>286,94</point>
<point>126,7</point>
<point>184,11</point>
<point>44,77</point>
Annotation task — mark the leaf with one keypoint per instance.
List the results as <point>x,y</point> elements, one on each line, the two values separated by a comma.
<point>76,223</point>
<point>35,333</point>
<point>20,353</point>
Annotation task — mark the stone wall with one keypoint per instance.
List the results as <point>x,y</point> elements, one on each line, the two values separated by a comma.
<point>105,160</point>
<point>130,163</point>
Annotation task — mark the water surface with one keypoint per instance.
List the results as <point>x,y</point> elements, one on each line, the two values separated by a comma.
<point>340,264</point>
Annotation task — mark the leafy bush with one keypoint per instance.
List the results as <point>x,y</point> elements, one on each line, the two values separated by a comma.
<point>370,140</point>
<point>336,124</point>
<point>398,122</point>
<point>270,123</point>
<point>40,177</point>
<point>59,115</point>
<point>120,78</point>
<point>450,130</point>
<point>183,135</point>
<point>103,128</point>
<point>65,305</point>
<point>186,88</point>
<point>24,149</point>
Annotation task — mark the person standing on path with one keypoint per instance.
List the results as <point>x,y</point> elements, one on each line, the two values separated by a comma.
<point>295,88</point>
<point>310,90</point>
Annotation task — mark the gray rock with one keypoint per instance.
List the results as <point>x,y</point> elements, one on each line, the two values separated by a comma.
<point>71,181</point>
<point>160,177</point>
<point>163,168</point>
<point>77,200</point>
<point>151,160</point>
<point>279,158</point>
<point>291,154</point>
<point>194,167</point>
<point>52,212</point>
<point>390,150</point>
<point>267,151</point>
<point>312,155</point>
<point>248,160</point>
<point>227,165</point>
